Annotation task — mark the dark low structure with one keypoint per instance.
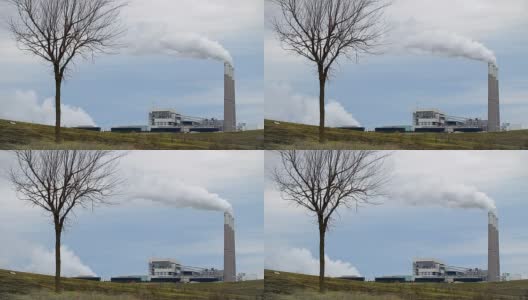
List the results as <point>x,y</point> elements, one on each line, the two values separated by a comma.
<point>391,129</point>
<point>89,128</point>
<point>353,128</point>
<point>204,279</point>
<point>429,279</point>
<point>390,279</point>
<point>127,129</point>
<point>166,130</point>
<point>130,279</point>
<point>204,129</point>
<point>468,279</point>
<point>166,279</point>
<point>90,278</point>
<point>468,129</point>
<point>353,278</point>
<point>429,129</point>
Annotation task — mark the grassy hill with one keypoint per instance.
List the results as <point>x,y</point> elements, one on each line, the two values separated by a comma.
<point>283,285</point>
<point>284,135</point>
<point>19,135</point>
<point>15,285</point>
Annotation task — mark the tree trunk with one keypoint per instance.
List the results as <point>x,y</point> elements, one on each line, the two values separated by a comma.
<point>58,232</point>
<point>322,83</point>
<point>322,232</point>
<point>58,81</point>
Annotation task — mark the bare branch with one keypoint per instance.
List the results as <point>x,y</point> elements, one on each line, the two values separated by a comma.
<point>59,181</point>
<point>60,30</point>
<point>323,181</point>
<point>323,31</point>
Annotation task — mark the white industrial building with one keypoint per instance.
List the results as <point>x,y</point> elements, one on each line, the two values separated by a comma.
<point>170,270</point>
<point>168,120</point>
<point>434,119</point>
<point>430,268</point>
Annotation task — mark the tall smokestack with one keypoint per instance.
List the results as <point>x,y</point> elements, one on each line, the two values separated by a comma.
<point>229,98</point>
<point>493,98</point>
<point>493,248</point>
<point>229,248</point>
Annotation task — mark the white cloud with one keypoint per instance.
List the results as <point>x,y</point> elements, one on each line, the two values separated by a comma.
<point>213,170</point>
<point>470,17</point>
<point>283,104</point>
<point>301,260</point>
<point>214,18</point>
<point>25,106</point>
<point>43,262</point>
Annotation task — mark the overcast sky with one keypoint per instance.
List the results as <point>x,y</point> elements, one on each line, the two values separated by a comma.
<point>436,206</point>
<point>384,89</point>
<point>120,89</point>
<point>120,239</point>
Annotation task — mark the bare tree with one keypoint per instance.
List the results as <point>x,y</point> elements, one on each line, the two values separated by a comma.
<point>60,30</point>
<point>60,181</point>
<point>322,181</point>
<point>323,31</point>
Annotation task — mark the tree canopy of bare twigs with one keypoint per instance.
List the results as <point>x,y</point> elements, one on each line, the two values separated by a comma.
<point>322,181</point>
<point>324,31</point>
<point>58,31</point>
<point>61,181</point>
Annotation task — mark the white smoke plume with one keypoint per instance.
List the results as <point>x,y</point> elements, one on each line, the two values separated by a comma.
<point>301,260</point>
<point>154,39</point>
<point>443,194</point>
<point>176,193</point>
<point>449,44</point>
<point>284,104</point>
<point>25,106</point>
<point>43,262</point>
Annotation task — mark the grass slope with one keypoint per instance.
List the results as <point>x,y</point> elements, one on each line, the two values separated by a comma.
<point>284,135</point>
<point>283,285</point>
<point>33,286</point>
<point>33,136</point>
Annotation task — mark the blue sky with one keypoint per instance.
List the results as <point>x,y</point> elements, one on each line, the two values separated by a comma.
<point>119,239</point>
<point>383,239</point>
<point>120,89</point>
<point>384,89</point>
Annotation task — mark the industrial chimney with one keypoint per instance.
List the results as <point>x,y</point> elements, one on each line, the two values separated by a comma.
<point>229,98</point>
<point>493,248</point>
<point>229,248</point>
<point>493,98</point>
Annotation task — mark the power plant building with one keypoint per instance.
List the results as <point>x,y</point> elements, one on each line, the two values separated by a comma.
<point>434,120</point>
<point>433,270</point>
<point>229,98</point>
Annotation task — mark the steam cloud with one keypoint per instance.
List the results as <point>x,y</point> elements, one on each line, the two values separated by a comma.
<point>178,194</point>
<point>43,262</point>
<point>449,44</point>
<point>152,39</point>
<point>25,106</point>
<point>301,260</point>
<point>304,109</point>
<point>450,195</point>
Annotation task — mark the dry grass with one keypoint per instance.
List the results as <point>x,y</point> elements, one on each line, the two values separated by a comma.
<point>284,135</point>
<point>33,136</point>
<point>334,296</point>
<point>46,295</point>
<point>30,286</point>
<point>283,285</point>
